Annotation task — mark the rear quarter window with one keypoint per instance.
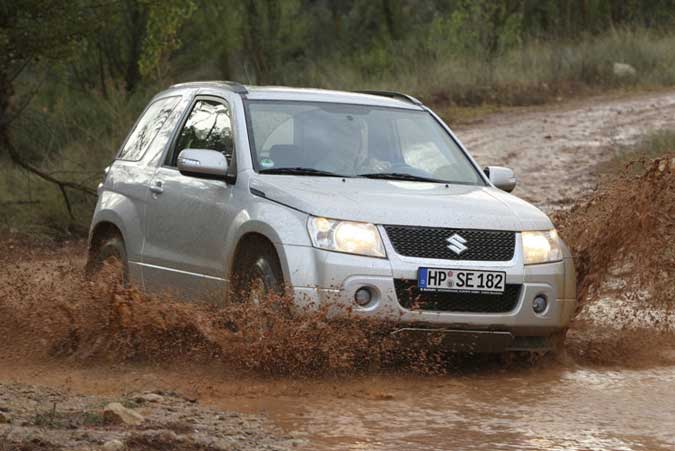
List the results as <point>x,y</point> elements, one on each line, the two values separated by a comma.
<point>147,127</point>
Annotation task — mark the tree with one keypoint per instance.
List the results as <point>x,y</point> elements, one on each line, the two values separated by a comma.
<point>33,32</point>
<point>131,43</point>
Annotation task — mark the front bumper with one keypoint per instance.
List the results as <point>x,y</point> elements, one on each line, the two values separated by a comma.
<point>322,278</point>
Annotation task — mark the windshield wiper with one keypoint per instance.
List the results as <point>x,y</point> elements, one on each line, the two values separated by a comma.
<point>400,176</point>
<point>300,171</point>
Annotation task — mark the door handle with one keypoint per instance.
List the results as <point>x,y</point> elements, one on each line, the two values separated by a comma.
<point>156,188</point>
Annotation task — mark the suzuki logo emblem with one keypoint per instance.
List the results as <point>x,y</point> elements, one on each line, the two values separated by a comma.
<point>456,243</point>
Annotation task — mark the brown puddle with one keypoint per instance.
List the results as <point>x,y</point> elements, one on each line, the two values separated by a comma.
<point>551,408</point>
<point>479,406</point>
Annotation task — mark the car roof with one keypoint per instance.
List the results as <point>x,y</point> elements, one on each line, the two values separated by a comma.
<point>252,92</point>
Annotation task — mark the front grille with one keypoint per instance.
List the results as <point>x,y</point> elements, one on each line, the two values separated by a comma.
<point>432,242</point>
<point>411,298</point>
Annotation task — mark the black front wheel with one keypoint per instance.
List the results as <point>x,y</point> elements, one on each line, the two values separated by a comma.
<point>259,274</point>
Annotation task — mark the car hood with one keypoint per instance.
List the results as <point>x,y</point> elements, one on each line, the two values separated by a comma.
<point>402,202</point>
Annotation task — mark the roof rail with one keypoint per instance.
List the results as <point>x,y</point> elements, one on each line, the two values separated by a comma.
<point>233,85</point>
<point>237,87</point>
<point>392,95</point>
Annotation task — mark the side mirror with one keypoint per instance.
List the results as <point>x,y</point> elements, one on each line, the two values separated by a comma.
<point>203,163</point>
<point>501,177</point>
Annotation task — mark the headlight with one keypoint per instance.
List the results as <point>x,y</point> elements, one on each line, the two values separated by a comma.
<point>541,247</point>
<point>346,236</point>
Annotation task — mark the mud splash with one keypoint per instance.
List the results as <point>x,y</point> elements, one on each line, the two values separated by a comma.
<point>623,240</point>
<point>48,310</point>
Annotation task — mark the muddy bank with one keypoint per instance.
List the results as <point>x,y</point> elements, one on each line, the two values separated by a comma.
<point>42,418</point>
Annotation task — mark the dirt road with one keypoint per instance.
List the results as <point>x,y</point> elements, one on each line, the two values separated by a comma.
<point>554,150</point>
<point>581,403</point>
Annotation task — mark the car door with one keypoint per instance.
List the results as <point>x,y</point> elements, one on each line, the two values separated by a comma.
<point>124,192</point>
<point>187,217</point>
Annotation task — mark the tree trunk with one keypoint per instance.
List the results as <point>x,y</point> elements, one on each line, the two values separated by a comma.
<point>6,92</point>
<point>101,72</point>
<point>391,19</point>
<point>254,36</point>
<point>137,21</point>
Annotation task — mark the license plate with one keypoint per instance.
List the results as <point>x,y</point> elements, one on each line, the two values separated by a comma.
<point>439,279</point>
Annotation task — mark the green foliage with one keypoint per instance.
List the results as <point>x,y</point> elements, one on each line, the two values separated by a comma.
<point>485,28</point>
<point>657,143</point>
<point>34,29</point>
<point>161,35</point>
<point>131,45</point>
<point>75,135</point>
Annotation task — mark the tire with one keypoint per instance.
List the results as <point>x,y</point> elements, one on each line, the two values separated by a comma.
<point>258,273</point>
<point>110,250</point>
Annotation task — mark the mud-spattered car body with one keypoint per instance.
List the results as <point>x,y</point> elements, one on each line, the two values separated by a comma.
<point>360,200</point>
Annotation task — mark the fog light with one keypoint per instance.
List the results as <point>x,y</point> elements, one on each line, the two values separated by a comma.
<point>363,296</point>
<point>539,303</point>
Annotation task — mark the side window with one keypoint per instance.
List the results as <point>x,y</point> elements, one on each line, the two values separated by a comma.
<point>147,128</point>
<point>209,126</point>
<point>155,151</point>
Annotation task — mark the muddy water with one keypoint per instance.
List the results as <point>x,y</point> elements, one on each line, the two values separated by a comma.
<point>544,409</point>
<point>477,407</point>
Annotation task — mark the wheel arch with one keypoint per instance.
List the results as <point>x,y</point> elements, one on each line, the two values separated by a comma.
<point>281,226</point>
<point>102,230</point>
<point>247,240</point>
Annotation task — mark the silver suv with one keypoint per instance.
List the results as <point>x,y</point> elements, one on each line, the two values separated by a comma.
<point>365,201</point>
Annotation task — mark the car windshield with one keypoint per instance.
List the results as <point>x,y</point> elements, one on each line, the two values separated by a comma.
<point>329,139</point>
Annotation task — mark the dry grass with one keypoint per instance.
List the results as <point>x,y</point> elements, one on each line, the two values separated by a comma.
<point>533,73</point>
